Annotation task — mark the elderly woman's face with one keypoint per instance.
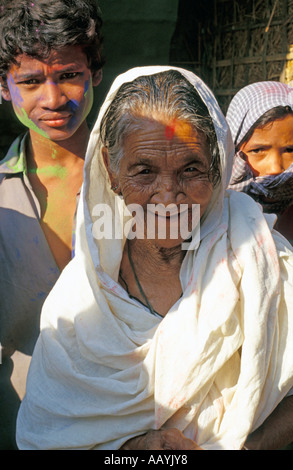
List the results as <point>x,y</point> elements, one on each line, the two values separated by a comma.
<point>165,164</point>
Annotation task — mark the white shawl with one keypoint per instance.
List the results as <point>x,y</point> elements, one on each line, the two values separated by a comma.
<point>105,369</point>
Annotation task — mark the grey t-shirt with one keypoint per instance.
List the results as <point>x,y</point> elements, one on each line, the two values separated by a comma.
<point>28,272</point>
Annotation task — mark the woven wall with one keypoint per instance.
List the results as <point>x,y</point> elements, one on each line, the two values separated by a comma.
<point>244,42</point>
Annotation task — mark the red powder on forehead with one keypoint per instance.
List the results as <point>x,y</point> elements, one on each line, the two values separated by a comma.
<point>170,131</point>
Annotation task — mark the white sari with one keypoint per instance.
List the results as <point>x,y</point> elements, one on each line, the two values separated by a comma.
<point>105,369</point>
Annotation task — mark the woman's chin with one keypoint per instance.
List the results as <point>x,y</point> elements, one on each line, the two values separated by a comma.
<point>167,243</point>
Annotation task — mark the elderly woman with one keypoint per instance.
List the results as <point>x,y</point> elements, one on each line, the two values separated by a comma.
<point>261,120</point>
<point>144,344</point>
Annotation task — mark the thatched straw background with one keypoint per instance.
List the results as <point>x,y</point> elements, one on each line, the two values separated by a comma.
<point>244,42</point>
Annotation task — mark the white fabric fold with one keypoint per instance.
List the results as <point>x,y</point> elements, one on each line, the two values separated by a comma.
<point>105,369</point>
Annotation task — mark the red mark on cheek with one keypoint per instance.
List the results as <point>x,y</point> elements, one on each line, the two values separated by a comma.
<point>170,131</point>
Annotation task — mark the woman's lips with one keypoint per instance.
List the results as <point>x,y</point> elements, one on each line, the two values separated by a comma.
<point>172,210</point>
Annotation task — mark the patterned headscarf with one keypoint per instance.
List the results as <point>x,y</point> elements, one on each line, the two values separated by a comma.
<point>247,106</point>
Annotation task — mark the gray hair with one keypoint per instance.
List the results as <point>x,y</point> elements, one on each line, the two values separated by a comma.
<point>167,93</point>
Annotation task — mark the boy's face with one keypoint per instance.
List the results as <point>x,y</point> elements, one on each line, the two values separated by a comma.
<point>52,97</point>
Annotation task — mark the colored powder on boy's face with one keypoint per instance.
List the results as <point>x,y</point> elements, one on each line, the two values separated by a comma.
<point>26,121</point>
<point>15,94</point>
<point>88,98</point>
<point>73,105</point>
<point>17,103</point>
<point>86,88</point>
<point>86,103</point>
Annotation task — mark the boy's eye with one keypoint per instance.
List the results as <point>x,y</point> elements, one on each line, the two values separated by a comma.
<point>69,75</point>
<point>31,81</point>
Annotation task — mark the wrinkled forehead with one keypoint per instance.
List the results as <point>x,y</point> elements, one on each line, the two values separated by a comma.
<point>171,125</point>
<point>161,130</point>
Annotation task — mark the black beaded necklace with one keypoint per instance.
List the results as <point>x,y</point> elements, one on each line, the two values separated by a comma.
<point>147,303</point>
<point>152,310</point>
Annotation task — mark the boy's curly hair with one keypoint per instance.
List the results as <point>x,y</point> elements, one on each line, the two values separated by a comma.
<point>38,27</point>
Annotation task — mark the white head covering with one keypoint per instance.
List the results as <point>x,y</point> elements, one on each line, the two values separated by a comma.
<point>105,369</point>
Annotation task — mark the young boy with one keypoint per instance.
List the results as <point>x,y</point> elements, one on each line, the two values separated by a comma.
<point>50,60</point>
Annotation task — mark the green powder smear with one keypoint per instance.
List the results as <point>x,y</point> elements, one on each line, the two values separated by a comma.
<point>51,171</point>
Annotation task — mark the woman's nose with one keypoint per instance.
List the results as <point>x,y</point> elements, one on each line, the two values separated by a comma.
<point>52,96</point>
<point>167,192</point>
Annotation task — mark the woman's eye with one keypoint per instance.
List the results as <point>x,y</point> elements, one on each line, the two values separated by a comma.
<point>191,171</point>
<point>145,171</point>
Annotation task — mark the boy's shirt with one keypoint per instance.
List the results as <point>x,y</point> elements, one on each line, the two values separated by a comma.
<point>28,272</point>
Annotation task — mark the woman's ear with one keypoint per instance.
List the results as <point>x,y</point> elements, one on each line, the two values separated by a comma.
<point>112,175</point>
<point>4,89</point>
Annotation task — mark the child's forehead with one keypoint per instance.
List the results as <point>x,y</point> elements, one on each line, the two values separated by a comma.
<point>65,58</point>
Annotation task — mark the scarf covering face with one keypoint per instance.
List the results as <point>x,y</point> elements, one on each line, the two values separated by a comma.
<point>105,369</point>
<point>247,106</point>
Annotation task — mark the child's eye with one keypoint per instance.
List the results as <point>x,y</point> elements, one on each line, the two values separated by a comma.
<point>257,150</point>
<point>31,81</point>
<point>69,75</point>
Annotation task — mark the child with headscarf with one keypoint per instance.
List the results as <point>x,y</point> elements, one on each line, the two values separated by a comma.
<point>260,117</point>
